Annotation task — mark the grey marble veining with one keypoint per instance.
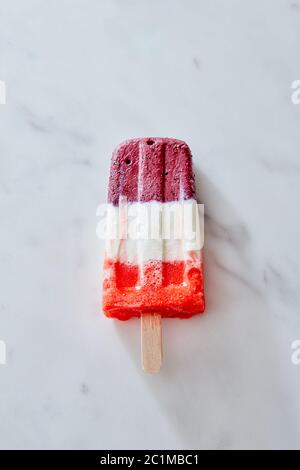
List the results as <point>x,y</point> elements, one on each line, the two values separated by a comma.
<point>81,77</point>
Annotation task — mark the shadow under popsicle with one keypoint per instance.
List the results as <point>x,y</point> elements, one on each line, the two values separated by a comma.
<point>204,380</point>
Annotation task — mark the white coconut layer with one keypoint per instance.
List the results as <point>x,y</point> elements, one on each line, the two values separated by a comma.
<point>139,232</point>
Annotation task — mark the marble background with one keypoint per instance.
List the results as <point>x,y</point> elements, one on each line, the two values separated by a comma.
<point>82,76</point>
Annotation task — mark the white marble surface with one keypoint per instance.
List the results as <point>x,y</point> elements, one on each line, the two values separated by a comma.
<point>82,76</point>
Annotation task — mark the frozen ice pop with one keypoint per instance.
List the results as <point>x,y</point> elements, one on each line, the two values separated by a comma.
<point>151,276</point>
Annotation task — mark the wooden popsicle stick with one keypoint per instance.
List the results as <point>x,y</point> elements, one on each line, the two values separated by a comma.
<point>151,342</point>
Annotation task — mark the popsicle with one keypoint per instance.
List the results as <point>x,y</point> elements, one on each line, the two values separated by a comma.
<point>152,276</point>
